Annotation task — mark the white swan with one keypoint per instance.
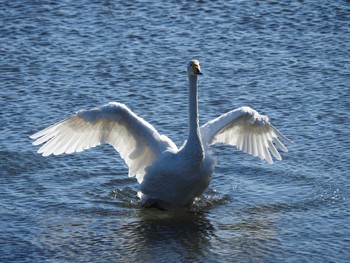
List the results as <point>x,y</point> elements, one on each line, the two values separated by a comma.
<point>168,176</point>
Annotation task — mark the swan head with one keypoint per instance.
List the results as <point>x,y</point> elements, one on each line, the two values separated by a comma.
<point>194,68</point>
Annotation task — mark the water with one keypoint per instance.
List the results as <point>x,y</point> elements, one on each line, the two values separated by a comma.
<point>287,59</point>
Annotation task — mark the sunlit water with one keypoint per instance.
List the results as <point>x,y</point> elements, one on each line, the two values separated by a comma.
<point>287,59</point>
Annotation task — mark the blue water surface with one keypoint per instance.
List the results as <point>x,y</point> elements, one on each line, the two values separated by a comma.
<point>289,60</point>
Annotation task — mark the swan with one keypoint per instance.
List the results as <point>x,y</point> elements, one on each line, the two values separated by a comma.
<point>168,176</point>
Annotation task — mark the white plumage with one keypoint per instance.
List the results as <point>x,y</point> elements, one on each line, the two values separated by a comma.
<point>168,176</point>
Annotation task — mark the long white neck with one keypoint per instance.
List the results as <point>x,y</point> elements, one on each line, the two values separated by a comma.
<point>194,141</point>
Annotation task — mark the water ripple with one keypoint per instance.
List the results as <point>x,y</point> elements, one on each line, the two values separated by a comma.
<point>287,59</point>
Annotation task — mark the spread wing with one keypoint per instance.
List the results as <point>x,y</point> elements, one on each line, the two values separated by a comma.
<point>137,141</point>
<point>246,129</point>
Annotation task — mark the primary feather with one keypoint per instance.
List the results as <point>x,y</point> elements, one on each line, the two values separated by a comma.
<point>168,176</point>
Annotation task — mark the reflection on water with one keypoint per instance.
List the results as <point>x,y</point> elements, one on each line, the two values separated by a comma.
<point>151,235</point>
<point>178,235</point>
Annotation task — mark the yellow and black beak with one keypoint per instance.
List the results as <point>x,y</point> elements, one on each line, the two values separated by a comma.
<point>197,69</point>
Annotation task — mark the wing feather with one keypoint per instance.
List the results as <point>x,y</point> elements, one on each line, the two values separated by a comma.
<point>137,141</point>
<point>246,129</point>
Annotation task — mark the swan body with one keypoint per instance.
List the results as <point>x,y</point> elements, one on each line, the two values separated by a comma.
<point>167,176</point>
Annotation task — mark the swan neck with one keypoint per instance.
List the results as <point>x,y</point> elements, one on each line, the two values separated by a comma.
<point>194,134</point>
<point>193,104</point>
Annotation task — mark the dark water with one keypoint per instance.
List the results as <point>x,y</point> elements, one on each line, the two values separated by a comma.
<point>287,59</point>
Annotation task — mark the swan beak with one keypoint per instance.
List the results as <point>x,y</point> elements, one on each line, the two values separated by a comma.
<point>197,70</point>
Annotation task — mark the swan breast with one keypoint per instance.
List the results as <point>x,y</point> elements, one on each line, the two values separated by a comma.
<point>175,180</point>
